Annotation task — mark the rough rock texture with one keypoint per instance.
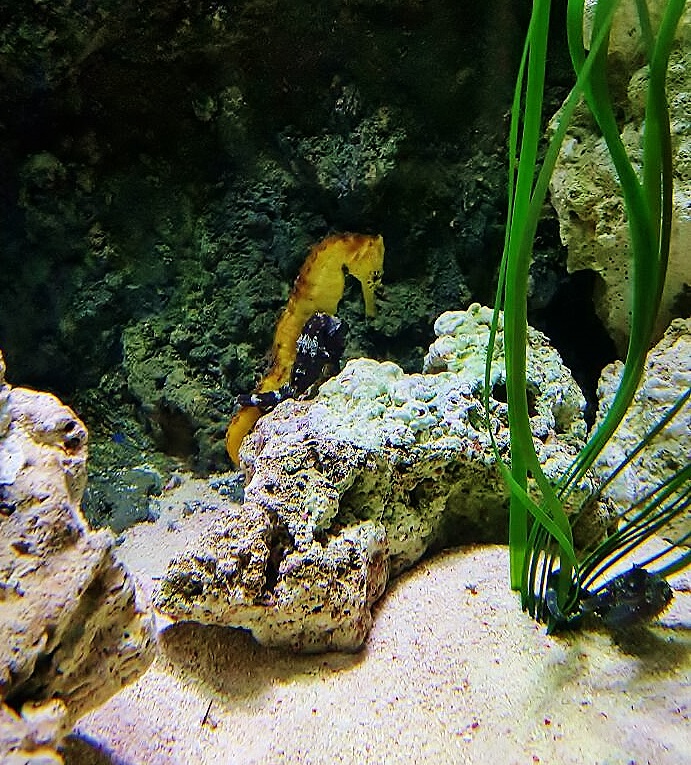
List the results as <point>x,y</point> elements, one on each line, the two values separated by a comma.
<point>358,484</point>
<point>69,626</point>
<point>30,738</point>
<point>667,375</point>
<point>585,189</point>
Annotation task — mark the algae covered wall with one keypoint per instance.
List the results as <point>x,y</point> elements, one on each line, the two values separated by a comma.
<point>167,165</point>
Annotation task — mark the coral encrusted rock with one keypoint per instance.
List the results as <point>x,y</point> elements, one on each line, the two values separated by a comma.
<point>355,486</point>
<point>71,633</point>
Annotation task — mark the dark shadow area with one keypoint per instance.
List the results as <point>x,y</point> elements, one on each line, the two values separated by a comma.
<point>573,327</point>
<point>655,648</point>
<point>80,749</point>
<point>219,658</point>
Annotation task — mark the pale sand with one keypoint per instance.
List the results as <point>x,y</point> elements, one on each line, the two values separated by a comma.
<point>452,672</point>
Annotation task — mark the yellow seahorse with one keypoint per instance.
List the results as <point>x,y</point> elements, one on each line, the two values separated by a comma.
<point>318,287</point>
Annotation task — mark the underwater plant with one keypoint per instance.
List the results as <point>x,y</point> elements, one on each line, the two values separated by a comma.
<point>558,582</point>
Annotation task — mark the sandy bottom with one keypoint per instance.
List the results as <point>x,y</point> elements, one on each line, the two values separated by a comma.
<point>452,672</point>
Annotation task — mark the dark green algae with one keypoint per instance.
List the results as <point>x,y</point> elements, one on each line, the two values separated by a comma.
<point>168,165</point>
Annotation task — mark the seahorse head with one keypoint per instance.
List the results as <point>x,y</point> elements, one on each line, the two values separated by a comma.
<point>364,259</point>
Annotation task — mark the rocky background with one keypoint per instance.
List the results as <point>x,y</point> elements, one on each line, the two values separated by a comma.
<point>167,165</point>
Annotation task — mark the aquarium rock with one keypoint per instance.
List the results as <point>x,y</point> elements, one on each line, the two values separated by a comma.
<point>30,738</point>
<point>585,190</point>
<point>355,486</point>
<point>667,375</point>
<point>69,624</point>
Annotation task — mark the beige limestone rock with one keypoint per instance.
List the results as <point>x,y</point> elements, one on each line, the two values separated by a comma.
<point>585,190</point>
<point>667,375</point>
<point>70,628</point>
<point>361,482</point>
<point>244,573</point>
<point>29,738</point>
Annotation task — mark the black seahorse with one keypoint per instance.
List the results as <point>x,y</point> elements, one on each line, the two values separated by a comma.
<point>319,348</point>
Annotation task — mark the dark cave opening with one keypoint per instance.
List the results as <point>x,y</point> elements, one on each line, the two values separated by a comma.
<point>574,329</point>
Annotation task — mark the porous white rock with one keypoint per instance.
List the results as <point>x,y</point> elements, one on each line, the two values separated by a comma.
<point>667,375</point>
<point>70,628</point>
<point>585,190</point>
<point>356,485</point>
